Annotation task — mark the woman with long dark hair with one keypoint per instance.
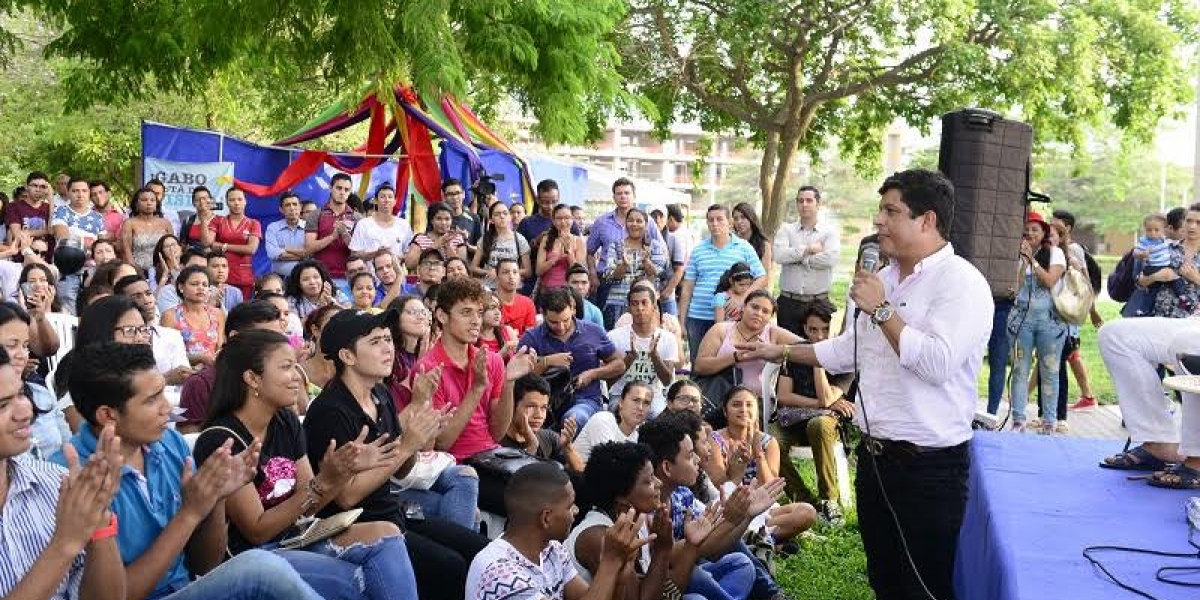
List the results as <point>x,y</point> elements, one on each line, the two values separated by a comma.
<point>440,235</point>
<point>618,425</point>
<point>201,324</point>
<point>255,387</point>
<point>309,287</point>
<point>142,230</point>
<point>317,369</point>
<point>412,336</point>
<point>718,350</point>
<point>167,255</point>
<point>50,429</point>
<point>499,242</point>
<point>635,257</point>
<point>747,226</point>
<point>559,249</point>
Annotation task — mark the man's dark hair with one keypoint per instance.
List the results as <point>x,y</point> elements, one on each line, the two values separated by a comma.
<point>449,181</point>
<point>663,435</point>
<point>98,183</point>
<point>530,383</point>
<point>288,194</point>
<point>577,269</point>
<point>124,282</point>
<point>102,375</point>
<point>191,253</point>
<point>547,185</point>
<point>453,291</point>
<point>612,470</point>
<point>502,261</point>
<point>198,189</point>
<point>556,299</point>
<point>924,191</point>
<point>532,488</point>
<point>76,179</point>
<point>90,292</point>
<point>720,207</point>
<point>35,175</point>
<point>822,309</point>
<point>1175,217</point>
<point>1066,217</point>
<point>156,181</point>
<point>339,177</point>
<point>675,212</point>
<point>621,182</point>
<point>249,314</point>
<point>216,254</point>
<point>1194,207</point>
<point>232,189</point>
<point>809,188</point>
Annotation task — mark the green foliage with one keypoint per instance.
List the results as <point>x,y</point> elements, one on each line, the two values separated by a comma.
<point>796,74</point>
<point>556,57</point>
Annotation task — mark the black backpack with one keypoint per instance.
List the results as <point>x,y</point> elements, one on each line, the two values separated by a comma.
<point>1093,269</point>
<point>1122,281</point>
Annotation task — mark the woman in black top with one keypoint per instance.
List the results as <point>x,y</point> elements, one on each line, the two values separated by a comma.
<point>256,385</point>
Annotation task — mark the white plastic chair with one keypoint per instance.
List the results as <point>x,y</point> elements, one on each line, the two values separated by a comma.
<point>64,325</point>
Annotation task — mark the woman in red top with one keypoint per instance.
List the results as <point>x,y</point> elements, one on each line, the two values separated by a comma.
<point>238,237</point>
<point>559,250</point>
<point>494,335</point>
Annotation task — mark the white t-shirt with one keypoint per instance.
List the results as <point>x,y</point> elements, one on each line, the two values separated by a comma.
<point>602,427</point>
<point>1057,257</point>
<point>369,236</point>
<point>642,368</point>
<point>501,572</point>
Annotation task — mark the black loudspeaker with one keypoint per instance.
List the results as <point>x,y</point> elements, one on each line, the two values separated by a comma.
<point>986,157</point>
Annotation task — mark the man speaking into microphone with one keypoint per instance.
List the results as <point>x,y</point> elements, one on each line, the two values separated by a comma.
<point>917,342</point>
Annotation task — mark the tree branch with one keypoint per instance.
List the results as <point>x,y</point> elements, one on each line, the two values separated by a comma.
<point>896,75</point>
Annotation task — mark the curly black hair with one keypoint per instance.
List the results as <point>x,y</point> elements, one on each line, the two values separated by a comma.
<point>611,471</point>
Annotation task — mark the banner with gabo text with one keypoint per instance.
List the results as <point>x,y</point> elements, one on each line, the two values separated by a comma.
<point>180,178</point>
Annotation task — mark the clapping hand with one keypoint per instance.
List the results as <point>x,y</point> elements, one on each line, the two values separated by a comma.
<point>763,497</point>
<point>87,492</point>
<point>621,542</point>
<point>243,467</point>
<point>425,384</point>
<point>663,530</point>
<point>569,429</point>
<point>697,529</point>
<point>479,370</point>
<point>420,423</point>
<point>520,364</point>
<point>654,347</point>
<point>202,488</point>
<point>737,505</point>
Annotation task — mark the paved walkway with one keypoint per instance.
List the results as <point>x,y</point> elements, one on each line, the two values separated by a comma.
<point>1102,422</point>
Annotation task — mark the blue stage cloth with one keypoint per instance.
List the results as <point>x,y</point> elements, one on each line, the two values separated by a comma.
<point>1036,502</point>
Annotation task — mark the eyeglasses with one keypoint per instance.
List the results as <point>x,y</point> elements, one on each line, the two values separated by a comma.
<point>135,330</point>
<point>432,263</point>
<point>683,400</point>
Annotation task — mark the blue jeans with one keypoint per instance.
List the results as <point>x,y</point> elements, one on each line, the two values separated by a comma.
<point>377,571</point>
<point>764,585</point>
<point>251,575</point>
<point>67,291</point>
<point>669,306</point>
<point>998,348</point>
<point>1039,329</point>
<point>728,578</point>
<point>452,497</point>
<point>583,409</point>
<point>696,328</point>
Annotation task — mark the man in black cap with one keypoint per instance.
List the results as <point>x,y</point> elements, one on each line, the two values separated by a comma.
<point>361,348</point>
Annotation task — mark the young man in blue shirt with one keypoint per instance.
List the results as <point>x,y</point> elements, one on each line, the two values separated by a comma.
<point>171,516</point>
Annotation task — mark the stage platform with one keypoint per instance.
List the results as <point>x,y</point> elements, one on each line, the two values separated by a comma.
<point>1036,502</point>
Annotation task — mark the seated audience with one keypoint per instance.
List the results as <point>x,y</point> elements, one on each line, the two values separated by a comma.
<point>495,336</point>
<point>169,350</point>
<point>199,322</point>
<point>49,430</point>
<point>167,294</point>
<point>362,291</point>
<point>256,386</point>
<point>197,390</point>
<point>456,267</point>
<point>431,270</point>
<point>717,352</point>
<point>172,526</point>
<point>811,406</point>
<point>651,352</point>
<point>529,560</point>
<point>516,311</point>
<point>673,452</point>
<point>317,368</point>
<point>578,279</point>
<point>563,342</point>
<point>387,275</point>
<point>620,479</point>
<point>412,341</point>
<point>363,353</point>
<point>65,543</point>
<point>617,425</point>
<point>531,394</point>
<point>223,294</point>
<point>310,287</point>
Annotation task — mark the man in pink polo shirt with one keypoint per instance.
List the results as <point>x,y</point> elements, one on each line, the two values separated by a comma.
<point>474,381</point>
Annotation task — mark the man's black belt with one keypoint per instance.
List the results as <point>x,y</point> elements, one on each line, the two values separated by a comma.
<point>882,447</point>
<point>805,297</point>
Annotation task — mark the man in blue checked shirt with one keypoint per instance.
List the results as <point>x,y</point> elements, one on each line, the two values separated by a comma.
<point>609,230</point>
<point>285,238</point>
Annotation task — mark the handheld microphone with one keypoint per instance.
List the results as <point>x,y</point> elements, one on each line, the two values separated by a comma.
<point>870,264</point>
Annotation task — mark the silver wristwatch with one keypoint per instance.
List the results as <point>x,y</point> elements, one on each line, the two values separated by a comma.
<point>882,313</point>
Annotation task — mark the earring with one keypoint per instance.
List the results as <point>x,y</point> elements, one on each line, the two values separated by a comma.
<point>255,392</point>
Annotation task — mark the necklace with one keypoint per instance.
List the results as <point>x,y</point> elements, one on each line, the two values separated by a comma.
<point>745,338</point>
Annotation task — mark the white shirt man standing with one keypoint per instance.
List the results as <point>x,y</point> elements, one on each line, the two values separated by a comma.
<point>808,254</point>
<point>919,339</point>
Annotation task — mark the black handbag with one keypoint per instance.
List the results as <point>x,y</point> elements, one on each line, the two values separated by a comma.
<point>562,396</point>
<point>502,463</point>
<point>713,389</point>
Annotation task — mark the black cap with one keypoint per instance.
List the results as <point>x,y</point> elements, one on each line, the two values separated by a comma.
<point>431,253</point>
<point>345,327</point>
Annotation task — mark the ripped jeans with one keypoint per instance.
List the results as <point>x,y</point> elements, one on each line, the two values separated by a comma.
<point>1036,328</point>
<point>376,571</point>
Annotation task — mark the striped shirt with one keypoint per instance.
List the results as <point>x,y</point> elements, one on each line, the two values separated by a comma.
<point>27,524</point>
<point>706,266</point>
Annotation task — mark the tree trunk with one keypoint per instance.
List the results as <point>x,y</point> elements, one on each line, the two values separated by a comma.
<point>778,158</point>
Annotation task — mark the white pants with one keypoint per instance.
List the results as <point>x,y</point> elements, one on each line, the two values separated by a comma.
<point>1132,349</point>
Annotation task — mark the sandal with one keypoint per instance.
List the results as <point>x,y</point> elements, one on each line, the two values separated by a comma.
<point>1135,459</point>
<point>1177,477</point>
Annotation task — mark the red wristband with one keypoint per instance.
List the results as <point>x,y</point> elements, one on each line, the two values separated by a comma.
<point>104,533</point>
